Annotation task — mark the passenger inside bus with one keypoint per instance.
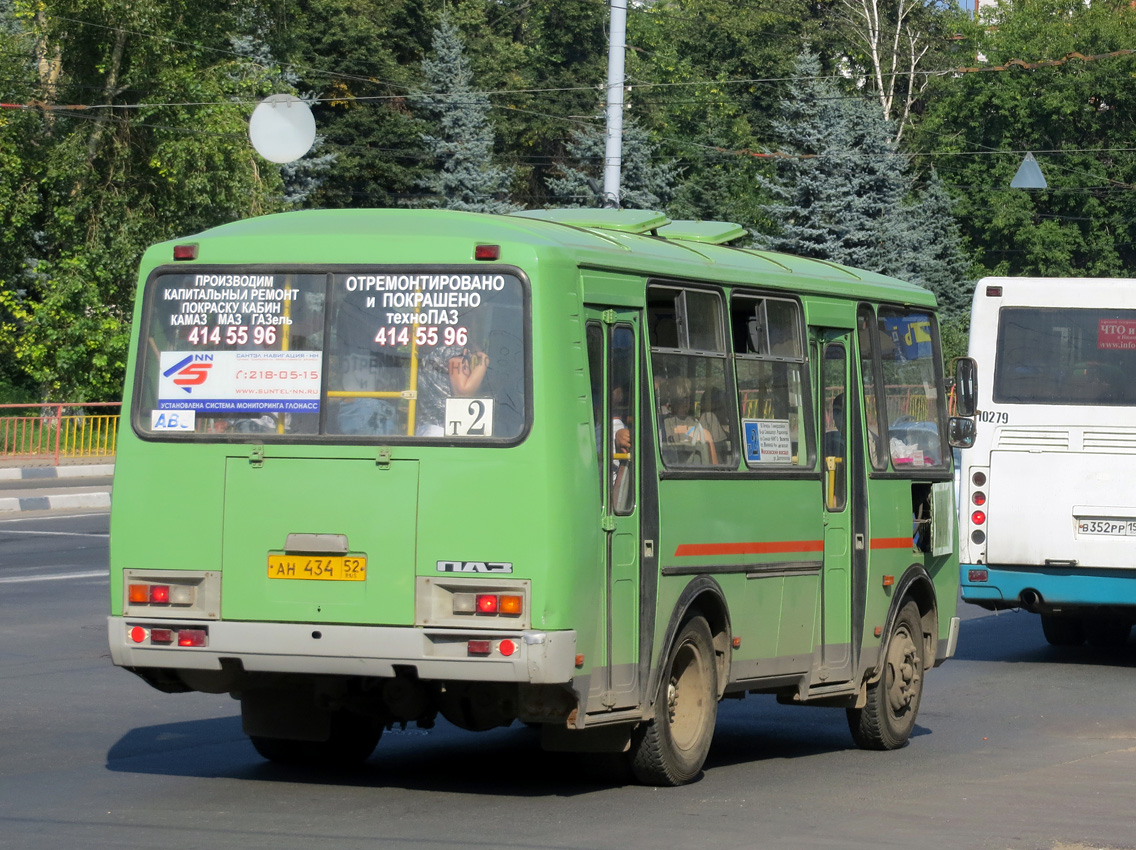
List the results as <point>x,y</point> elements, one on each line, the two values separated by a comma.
<point>683,435</point>
<point>715,418</point>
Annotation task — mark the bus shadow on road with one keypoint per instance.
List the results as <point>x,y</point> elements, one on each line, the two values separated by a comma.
<point>506,761</point>
<point>1015,636</point>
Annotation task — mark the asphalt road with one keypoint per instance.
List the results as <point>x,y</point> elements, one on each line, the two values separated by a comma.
<point>1018,745</point>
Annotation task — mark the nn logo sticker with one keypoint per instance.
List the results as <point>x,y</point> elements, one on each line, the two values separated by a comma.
<point>191,371</point>
<point>475,567</point>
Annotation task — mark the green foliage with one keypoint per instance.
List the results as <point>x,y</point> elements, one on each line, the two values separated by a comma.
<point>161,149</point>
<point>1078,115</point>
<point>645,183</point>
<point>466,178</point>
<point>847,193</point>
<point>89,190</point>
<point>361,59</point>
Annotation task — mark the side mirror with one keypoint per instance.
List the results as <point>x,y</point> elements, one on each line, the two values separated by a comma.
<point>961,431</point>
<point>966,386</point>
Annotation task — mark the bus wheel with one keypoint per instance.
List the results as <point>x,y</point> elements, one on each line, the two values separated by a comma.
<point>671,747</point>
<point>353,739</point>
<point>1062,631</point>
<point>886,722</point>
<point>1107,632</point>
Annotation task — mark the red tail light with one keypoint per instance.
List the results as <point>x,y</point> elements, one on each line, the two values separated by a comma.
<point>978,517</point>
<point>191,637</point>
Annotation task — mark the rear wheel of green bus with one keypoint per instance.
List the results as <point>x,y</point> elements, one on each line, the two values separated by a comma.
<point>352,740</point>
<point>671,748</point>
<point>888,719</point>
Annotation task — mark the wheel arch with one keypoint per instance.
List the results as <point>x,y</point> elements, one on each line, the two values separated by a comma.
<point>702,596</point>
<point>915,585</point>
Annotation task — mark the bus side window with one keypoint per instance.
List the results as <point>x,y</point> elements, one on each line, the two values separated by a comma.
<point>688,362</point>
<point>595,372</point>
<point>866,332</point>
<point>769,362</point>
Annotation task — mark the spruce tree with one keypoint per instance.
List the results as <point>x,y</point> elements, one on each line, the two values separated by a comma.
<point>846,194</point>
<point>839,192</point>
<point>465,177</point>
<point>937,260</point>
<point>645,182</point>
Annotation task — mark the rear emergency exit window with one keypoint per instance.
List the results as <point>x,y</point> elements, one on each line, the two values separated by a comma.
<point>416,355</point>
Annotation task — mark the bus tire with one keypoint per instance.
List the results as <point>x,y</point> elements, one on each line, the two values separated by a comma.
<point>888,718</point>
<point>671,747</point>
<point>1062,631</point>
<point>353,738</point>
<point>1107,632</point>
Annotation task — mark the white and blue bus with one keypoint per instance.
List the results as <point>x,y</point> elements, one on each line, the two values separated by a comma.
<point>1048,502</point>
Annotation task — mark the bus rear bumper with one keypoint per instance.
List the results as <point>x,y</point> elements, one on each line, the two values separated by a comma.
<point>526,656</point>
<point>1046,589</point>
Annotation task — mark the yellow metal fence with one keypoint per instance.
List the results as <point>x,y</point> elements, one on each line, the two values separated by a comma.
<point>58,432</point>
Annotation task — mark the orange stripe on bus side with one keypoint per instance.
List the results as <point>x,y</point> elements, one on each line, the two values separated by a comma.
<point>689,550</point>
<point>891,543</point>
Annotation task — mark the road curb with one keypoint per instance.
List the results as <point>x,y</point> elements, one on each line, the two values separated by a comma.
<point>63,501</point>
<point>43,473</point>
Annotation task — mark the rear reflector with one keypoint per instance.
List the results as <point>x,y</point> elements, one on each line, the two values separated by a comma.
<point>161,636</point>
<point>506,647</point>
<point>993,292</point>
<point>478,647</point>
<point>191,637</point>
<point>977,575</point>
<point>138,634</point>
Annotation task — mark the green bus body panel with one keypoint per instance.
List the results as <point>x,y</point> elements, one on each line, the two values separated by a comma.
<point>169,516</point>
<point>765,525</point>
<point>376,510</point>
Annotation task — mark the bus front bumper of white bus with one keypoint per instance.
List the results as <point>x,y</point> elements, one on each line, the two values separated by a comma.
<point>528,656</point>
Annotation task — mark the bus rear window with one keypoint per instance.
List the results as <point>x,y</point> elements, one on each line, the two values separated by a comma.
<point>1065,356</point>
<point>372,353</point>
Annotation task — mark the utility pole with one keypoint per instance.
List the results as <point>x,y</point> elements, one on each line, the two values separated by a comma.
<point>613,146</point>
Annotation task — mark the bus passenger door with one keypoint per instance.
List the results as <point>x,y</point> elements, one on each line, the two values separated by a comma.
<point>837,402</point>
<point>613,356</point>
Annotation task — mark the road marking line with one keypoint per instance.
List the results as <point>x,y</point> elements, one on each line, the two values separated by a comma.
<point>55,577</point>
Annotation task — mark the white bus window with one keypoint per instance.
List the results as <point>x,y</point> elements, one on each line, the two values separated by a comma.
<point>232,353</point>
<point>1065,356</point>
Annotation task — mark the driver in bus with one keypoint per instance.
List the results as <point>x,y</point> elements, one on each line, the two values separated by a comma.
<point>448,371</point>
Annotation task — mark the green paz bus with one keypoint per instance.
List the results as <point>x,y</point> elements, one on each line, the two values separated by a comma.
<point>591,470</point>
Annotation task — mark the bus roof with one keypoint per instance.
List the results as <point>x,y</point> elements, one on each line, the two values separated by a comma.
<point>1056,292</point>
<point>640,241</point>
